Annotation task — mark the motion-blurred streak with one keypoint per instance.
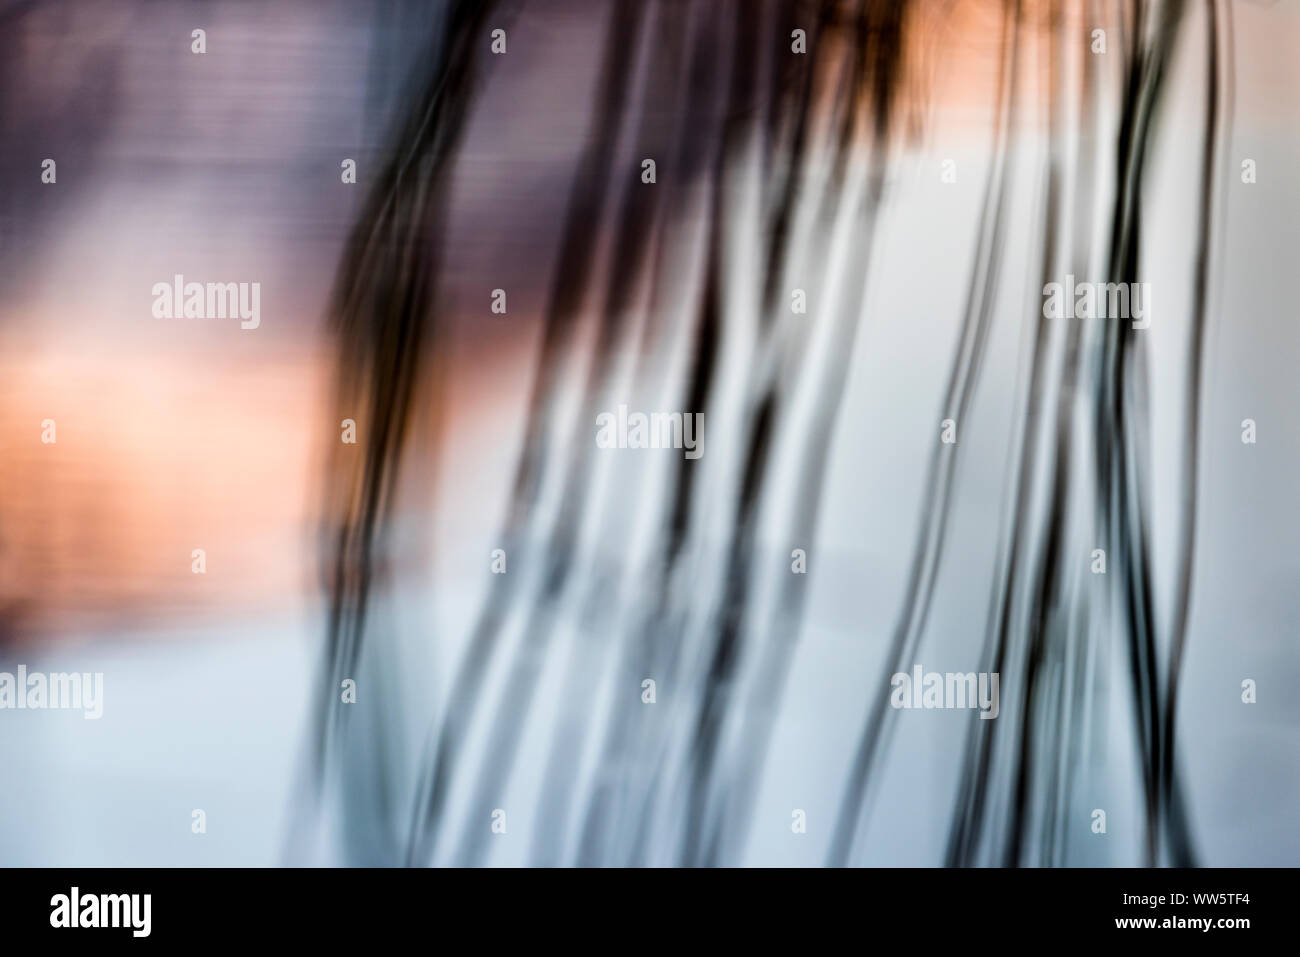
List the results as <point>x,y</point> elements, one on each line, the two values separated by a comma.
<point>285,548</point>
<point>586,201</point>
<point>1218,124</point>
<point>650,640</point>
<point>962,379</point>
<point>1123,419</point>
<point>562,554</point>
<point>638,251</point>
<point>382,306</point>
<point>779,174</point>
<point>876,34</point>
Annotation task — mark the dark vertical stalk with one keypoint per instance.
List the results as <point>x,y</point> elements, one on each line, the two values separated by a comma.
<point>577,249</point>
<point>963,377</point>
